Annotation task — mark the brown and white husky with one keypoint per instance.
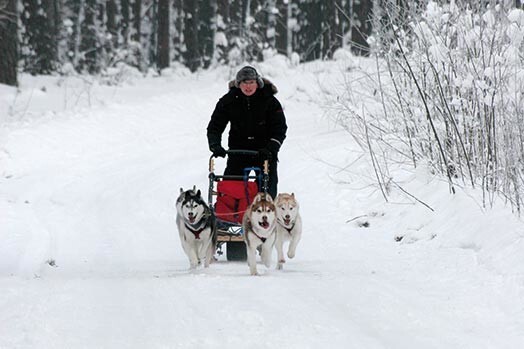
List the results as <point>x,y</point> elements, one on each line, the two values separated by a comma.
<point>289,226</point>
<point>259,225</point>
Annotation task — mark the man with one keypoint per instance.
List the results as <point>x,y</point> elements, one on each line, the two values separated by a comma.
<point>257,122</point>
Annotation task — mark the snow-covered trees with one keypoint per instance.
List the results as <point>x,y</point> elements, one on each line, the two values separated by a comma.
<point>41,20</point>
<point>93,36</point>
<point>449,92</point>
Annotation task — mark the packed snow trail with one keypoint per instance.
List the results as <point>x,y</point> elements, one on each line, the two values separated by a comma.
<point>90,256</point>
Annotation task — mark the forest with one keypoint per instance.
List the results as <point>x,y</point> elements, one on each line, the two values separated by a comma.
<point>90,36</point>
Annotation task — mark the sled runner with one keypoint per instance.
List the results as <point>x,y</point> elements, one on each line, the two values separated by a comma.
<point>229,197</point>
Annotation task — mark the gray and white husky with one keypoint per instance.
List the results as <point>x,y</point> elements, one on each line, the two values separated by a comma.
<point>259,225</point>
<point>196,227</point>
<point>289,226</point>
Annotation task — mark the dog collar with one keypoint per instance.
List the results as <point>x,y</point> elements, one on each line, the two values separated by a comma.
<point>261,238</point>
<point>288,229</point>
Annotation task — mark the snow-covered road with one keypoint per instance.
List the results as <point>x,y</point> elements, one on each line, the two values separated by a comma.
<point>90,257</point>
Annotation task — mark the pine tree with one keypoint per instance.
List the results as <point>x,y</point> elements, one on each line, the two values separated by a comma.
<point>125,21</point>
<point>142,45</point>
<point>235,32</point>
<point>39,19</point>
<point>282,26</point>
<point>206,30</point>
<point>191,54</point>
<point>137,21</point>
<point>74,15</point>
<point>8,42</point>
<point>330,29</point>
<point>146,50</point>
<point>89,43</point>
<point>271,30</point>
<point>222,34</point>
<point>362,27</point>
<point>111,24</point>
<point>309,36</point>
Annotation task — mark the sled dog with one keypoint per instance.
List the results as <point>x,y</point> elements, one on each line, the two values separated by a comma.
<point>196,227</point>
<point>259,225</point>
<point>289,226</point>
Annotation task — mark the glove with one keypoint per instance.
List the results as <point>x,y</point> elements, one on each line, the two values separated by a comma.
<point>218,150</point>
<point>265,154</point>
<point>270,151</point>
<point>273,147</point>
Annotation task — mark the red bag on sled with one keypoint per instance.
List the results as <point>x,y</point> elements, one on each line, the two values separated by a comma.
<point>233,199</point>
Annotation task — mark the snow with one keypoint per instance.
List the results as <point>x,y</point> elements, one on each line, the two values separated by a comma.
<point>90,257</point>
<point>516,16</point>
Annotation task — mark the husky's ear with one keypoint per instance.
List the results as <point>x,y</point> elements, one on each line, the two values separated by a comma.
<point>198,193</point>
<point>268,197</point>
<point>293,195</point>
<point>181,190</point>
<point>194,188</point>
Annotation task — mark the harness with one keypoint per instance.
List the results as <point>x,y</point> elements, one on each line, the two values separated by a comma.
<point>284,226</point>
<point>261,238</point>
<point>196,231</point>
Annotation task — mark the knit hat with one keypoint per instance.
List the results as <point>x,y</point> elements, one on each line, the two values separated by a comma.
<point>248,73</point>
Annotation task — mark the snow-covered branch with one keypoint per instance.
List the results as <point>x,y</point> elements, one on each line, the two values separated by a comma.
<point>453,94</point>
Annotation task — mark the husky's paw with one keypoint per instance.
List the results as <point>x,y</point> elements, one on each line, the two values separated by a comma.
<point>291,254</point>
<point>255,273</point>
<point>280,266</point>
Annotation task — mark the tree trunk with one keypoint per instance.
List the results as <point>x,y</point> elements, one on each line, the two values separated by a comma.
<point>77,39</point>
<point>206,30</point>
<point>361,31</point>
<point>111,24</point>
<point>137,21</point>
<point>177,30</point>
<point>8,42</point>
<point>163,34</point>
<point>191,36</point>
<point>330,29</point>
<point>54,21</point>
<point>125,20</point>
<point>312,31</point>
<point>89,46</point>
<point>213,32</point>
<point>281,25</point>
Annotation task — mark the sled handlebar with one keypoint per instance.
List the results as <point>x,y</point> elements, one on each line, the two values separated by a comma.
<point>237,152</point>
<point>242,152</point>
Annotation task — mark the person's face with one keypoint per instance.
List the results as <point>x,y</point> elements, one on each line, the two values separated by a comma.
<point>248,87</point>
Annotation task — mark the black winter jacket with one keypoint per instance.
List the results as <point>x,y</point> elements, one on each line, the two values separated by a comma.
<point>257,121</point>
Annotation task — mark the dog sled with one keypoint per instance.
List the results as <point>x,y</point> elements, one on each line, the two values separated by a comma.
<point>229,197</point>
